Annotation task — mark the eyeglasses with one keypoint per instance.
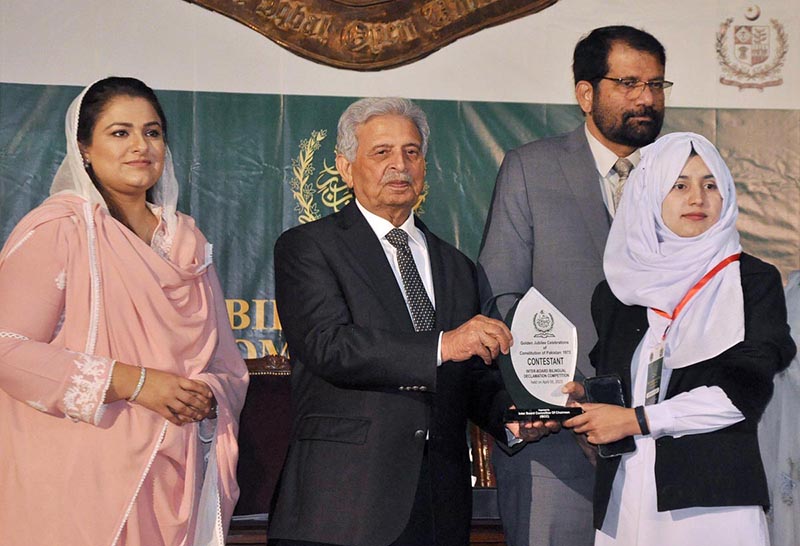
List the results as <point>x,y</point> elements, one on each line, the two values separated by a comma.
<point>633,88</point>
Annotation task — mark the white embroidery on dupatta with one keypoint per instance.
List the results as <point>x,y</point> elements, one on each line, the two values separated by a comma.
<point>13,335</point>
<point>101,409</point>
<point>19,244</point>
<point>37,405</point>
<point>94,274</point>
<point>162,241</point>
<point>59,326</point>
<point>87,388</point>
<point>209,258</point>
<point>219,527</point>
<point>141,481</point>
<point>61,280</point>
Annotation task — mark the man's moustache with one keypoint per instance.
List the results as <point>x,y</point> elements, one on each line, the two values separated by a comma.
<point>646,112</point>
<point>396,177</point>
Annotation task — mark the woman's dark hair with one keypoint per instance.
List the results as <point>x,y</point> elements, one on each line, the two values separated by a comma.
<point>94,102</point>
<point>590,59</point>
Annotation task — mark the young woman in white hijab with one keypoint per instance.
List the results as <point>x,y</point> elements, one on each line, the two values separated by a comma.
<point>696,330</point>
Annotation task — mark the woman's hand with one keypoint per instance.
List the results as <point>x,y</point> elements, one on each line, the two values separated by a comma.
<point>604,423</point>
<point>178,399</point>
<point>576,392</point>
<point>577,396</point>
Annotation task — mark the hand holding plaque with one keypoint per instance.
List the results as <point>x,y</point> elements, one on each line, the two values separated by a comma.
<point>542,359</point>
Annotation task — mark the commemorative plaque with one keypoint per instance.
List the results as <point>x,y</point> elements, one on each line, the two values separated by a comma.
<point>542,359</point>
<point>370,34</point>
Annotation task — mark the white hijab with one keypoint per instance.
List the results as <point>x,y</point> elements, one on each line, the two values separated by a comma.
<point>647,264</point>
<point>72,177</point>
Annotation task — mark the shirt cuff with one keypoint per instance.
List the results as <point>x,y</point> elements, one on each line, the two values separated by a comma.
<point>512,440</point>
<point>700,410</point>
<point>439,350</point>
<point>88,383</point>
<point>659,419</point>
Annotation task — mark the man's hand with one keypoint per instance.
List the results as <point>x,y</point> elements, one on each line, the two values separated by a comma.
<point>533,431</point>
<point>480,336</point>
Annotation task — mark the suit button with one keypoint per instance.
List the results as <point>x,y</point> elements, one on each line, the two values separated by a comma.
<point>419,435</point>
<point>415,388</point>
<point>423,388</point>
<point>402,388</point>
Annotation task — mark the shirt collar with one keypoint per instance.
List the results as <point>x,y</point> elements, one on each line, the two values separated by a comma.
<point>604,159</point>
<point>382,226</point>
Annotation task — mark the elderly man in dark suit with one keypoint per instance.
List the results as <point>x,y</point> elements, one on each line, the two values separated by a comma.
<point>389,355</point>
<point>548,223</point>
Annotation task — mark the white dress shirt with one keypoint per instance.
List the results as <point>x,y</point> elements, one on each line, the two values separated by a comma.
<point>417,243</point>
<point>419,250</point>
<point>604,160</point>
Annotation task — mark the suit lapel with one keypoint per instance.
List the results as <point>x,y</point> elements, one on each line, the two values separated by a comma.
<point>368,261</point>
<point>583,180</point>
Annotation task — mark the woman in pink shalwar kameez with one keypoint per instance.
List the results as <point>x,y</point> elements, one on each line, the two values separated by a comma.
<point>120,381</point>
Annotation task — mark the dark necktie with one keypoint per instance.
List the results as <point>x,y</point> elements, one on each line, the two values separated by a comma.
<point>623,168</point>
<point>422,313</point>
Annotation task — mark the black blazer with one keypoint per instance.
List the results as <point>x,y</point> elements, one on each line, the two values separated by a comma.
<point>366,389</point>
<point>720,468</point>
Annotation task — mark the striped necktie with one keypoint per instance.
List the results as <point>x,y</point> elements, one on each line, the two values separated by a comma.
<point>623,168</point>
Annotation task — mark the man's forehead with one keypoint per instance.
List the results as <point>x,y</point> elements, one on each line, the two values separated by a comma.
<point>389,128</point>
<point>624,57</point>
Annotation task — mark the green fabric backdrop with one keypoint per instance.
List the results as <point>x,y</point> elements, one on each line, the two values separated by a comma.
<point>242,158</point>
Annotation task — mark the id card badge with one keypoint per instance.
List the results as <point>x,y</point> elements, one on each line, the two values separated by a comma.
<point>654,374</point>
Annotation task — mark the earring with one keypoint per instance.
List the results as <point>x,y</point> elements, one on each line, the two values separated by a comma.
<point>86,163</point>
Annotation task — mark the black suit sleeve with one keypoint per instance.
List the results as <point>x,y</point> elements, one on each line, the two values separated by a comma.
<point>315,306</point>
<point>489,401</point>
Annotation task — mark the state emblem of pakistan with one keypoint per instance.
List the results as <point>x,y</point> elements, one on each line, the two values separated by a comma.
<point>751,55</point>
<point>543,323</point>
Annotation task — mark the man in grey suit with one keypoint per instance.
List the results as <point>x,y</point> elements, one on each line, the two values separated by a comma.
<point>553,203</point>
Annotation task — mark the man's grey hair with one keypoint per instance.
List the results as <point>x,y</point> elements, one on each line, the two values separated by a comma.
<point>362,110</point>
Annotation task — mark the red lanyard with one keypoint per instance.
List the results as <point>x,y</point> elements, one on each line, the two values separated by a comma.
<point>696,288</point>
